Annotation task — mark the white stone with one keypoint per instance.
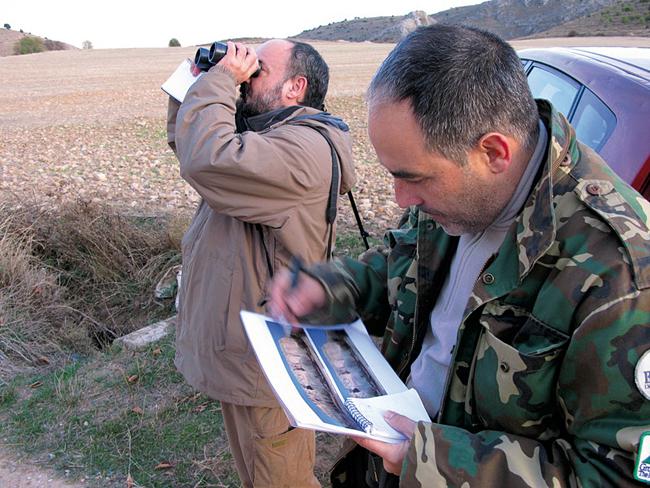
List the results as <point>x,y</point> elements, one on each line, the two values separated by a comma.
<point>141,338</point>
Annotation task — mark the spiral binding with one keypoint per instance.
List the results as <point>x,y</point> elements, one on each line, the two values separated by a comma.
<point>359,418</point>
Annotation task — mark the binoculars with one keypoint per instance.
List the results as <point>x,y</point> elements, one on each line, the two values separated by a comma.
<point>205,58</point>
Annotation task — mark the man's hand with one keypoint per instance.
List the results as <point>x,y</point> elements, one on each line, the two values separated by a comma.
<point>392,454</point>
<point>240,60</point>
<point>293,302</point>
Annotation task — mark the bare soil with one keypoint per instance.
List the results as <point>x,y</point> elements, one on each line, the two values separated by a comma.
<point>17,473</point>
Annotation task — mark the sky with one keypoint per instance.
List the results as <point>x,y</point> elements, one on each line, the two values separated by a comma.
<point>147,23</point>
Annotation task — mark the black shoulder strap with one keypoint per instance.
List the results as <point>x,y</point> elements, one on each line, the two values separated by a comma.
<point>331,210</point>
<point>334,189</point>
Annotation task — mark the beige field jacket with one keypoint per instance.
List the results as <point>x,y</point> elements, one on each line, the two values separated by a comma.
<point>279,178</point>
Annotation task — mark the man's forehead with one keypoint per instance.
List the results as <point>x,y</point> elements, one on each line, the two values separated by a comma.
<point>277,50</point>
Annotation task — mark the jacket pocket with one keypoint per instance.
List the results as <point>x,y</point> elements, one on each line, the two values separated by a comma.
<point>205,299</point>
<point>515,374</point>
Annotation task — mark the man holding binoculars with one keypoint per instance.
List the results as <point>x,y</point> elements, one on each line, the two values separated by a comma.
<point>268,167</point>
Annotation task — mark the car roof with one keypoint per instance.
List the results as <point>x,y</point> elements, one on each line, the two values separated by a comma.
<point>586,64</point>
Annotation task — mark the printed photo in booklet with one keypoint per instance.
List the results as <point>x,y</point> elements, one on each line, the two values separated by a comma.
<point>332,379</point>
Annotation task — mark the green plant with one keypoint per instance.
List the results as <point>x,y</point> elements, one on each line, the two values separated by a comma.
<point>173,42</point>
<point>29,45</point>
<point>117,415</point>
<point>7,26</point>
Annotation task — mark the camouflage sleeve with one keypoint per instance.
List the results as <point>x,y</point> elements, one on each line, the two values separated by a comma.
<point>354,289</point>
<point>601,413</point>
<point>359,288</point>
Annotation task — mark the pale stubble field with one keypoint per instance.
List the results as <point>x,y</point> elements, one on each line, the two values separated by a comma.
<point>91,124</point>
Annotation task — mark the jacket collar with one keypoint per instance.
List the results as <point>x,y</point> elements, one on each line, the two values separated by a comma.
<point>536,224</point>
<point>263,121</point>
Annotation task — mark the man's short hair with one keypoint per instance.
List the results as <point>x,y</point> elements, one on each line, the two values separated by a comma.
<point>306,61</point>
<point>461,83</point>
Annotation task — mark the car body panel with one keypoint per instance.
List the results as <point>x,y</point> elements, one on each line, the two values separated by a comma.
<point>620,78</point>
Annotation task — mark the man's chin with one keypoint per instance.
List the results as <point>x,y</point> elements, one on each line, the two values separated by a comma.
<point>451,228</point>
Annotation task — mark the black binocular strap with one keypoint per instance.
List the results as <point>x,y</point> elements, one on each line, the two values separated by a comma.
<point>330,213</point>
<point>269,264</point>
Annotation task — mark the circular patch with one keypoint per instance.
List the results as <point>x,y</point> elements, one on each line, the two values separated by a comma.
<point>642,375</point>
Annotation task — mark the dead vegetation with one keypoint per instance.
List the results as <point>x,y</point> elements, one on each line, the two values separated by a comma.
<point>75,277</point>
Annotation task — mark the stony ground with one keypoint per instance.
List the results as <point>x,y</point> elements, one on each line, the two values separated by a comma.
<point>91,125</point>
<point>16,473</point>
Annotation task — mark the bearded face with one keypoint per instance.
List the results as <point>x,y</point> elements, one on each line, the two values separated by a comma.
<point>253,103</point>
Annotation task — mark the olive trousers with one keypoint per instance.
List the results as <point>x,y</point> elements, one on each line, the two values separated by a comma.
<point>268,452</point>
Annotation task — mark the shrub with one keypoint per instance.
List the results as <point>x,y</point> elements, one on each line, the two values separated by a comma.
<point>86,45</point>
<point>572,33</point>
<point>7,26</point>
<point>28,45</point>
<point>173,42</point>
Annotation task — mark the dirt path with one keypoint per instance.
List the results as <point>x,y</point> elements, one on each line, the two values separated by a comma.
<point>15,473</point>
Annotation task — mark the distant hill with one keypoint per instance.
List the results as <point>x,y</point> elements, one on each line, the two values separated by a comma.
<point>623,18</point>
<point>9,38</point>
<point>510,19</point>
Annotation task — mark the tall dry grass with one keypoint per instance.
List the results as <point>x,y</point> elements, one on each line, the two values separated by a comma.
<point>76,277</point>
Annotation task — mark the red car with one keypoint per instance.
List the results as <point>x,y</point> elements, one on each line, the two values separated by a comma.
<point>605,94</point>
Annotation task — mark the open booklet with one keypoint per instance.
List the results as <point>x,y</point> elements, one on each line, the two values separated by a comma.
<point>180,81</point>
<point>332,379</point>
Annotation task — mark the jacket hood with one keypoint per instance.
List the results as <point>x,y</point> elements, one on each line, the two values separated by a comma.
<point>338,132</point>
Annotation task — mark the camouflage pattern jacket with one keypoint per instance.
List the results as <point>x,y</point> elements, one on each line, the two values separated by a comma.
<point>541,388</point>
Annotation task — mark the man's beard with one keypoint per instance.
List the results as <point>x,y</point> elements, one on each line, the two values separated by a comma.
<point>250,105</point>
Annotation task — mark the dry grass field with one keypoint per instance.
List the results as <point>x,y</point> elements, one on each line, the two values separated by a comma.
<point>89,125</point>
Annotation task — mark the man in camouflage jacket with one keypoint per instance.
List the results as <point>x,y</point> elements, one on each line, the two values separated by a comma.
<point>541,388</point>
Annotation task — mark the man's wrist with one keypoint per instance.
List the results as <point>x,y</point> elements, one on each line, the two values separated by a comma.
<point>219,68</point>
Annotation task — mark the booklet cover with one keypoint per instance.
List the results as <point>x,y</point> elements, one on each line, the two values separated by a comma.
<point>332,379</point>
<point>178,84</point>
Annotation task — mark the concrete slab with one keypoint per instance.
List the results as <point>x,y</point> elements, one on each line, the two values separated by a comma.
<point>141,338</point>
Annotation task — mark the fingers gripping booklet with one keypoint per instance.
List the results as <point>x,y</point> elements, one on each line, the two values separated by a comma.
<point>332,378</point>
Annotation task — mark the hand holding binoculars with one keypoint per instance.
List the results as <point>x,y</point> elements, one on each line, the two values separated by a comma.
<point>205,58</point>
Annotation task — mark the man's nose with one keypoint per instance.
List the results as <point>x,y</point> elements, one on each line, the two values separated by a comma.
<point>405,196</point>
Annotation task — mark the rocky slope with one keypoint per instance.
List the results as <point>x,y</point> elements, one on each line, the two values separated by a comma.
<point>510,19</point>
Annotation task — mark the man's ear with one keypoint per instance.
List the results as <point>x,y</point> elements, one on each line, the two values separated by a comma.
<point>497,151</point>
<point>297,88</point>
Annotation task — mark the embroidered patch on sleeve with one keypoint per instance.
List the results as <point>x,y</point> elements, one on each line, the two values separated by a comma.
<point>642,470</point>
<point>642,375</point>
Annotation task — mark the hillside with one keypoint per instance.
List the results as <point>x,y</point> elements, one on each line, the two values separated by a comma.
<point>9,38</point>
<point>511,19</point>
<point>624,18</point>
<point>374,29</point>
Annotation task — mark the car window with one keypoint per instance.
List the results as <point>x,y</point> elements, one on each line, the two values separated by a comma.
<point>552,85</point>
<point>593,121</point>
